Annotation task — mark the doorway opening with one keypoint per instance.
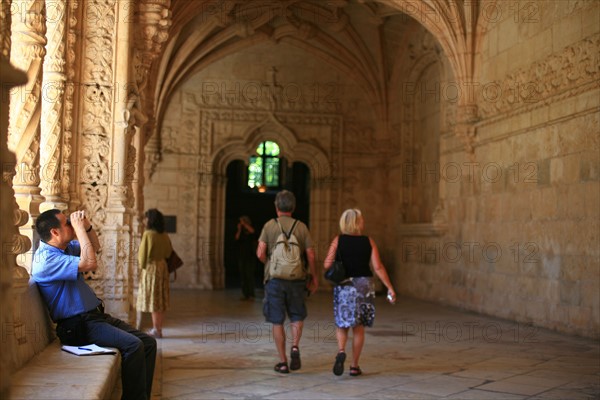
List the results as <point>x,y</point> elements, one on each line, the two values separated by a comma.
<point>241,199</point>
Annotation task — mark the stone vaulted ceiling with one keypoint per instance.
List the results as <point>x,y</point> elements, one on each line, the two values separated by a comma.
<point>359,38</point>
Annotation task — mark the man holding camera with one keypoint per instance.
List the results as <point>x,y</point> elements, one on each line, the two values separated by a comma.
<point>57,269</point>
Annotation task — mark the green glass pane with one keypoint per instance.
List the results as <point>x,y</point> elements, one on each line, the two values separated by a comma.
<point>260,148</point>
<point>272,172</point>
<point>255,172</point>
<point>271,149</point>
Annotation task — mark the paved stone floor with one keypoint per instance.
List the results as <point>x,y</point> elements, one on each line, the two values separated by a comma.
<point>218,347</point>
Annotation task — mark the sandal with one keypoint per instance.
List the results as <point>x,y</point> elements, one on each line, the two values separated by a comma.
<point>355,371</point>
<point>338,367</point>
<point>295,356</point>
<point>282,368</point>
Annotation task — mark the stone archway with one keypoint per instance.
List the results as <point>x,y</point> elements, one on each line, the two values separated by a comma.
<point>293,149</point>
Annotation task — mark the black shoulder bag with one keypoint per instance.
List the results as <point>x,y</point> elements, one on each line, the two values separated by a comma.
<point>336,274</point>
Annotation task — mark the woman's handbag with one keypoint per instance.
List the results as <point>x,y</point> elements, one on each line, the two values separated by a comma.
<point>337,272</point>
<point>174,262</point>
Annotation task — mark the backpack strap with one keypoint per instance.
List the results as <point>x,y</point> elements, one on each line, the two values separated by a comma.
<point>289,234</point>
<point>292,228</point>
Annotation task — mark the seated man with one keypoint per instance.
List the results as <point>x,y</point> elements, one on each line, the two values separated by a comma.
<point>57,269</point>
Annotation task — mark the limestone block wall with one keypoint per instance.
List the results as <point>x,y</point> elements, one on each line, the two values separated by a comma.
<point>523,209</point>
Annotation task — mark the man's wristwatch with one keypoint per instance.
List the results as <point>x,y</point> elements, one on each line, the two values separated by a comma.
<point>89,229</point>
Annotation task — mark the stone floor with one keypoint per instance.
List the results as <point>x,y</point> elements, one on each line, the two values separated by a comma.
<point>218,347</point>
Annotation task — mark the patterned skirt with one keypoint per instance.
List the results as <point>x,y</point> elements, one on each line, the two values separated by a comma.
<point>353,303</point>
<point>153,293</point>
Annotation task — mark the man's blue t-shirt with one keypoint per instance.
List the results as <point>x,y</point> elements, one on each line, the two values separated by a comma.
<point>62,287</point>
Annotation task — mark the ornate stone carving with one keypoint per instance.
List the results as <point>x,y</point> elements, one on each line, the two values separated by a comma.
<point>154,20</point>
<point>269,95</point>
<point>151,151</point>
<point>97,108</point>
<point>68,117</point>
<point>96,119</point>
<point>201,190</point>
<point>27,53</point>
<point>573,67</point>
<point>21,243</point>
<point>9,77</point>
<point>464,129</point>
<point>5,18</point>
<point>52,106</point>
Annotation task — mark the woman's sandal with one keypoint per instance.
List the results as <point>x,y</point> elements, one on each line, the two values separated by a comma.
<point>282,368</point>
<point>355,371</point>
<point>338,367</point>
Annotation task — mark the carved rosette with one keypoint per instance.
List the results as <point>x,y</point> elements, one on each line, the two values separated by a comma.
<point>52,105</point>
<point>27,53</point>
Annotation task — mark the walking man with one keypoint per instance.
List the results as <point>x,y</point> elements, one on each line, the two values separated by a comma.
<point>285,246</point>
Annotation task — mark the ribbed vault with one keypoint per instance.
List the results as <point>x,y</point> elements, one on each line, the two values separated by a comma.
<point>205,31</point>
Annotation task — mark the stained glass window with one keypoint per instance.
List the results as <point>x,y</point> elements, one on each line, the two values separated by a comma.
<point>263,169</point>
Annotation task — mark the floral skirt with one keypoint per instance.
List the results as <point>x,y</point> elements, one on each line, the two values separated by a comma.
<point>153,293</point>
<point>353,303</point>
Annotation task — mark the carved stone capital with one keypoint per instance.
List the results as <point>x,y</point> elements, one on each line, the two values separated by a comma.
<point>154,21</point>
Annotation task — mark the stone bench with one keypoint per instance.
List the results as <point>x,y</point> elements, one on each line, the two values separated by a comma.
<point>48,372</point>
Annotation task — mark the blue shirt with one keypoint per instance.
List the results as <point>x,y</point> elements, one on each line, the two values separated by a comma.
<point>62,287</point>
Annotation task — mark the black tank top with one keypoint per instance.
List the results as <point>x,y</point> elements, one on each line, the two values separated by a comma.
<point>356,254</point>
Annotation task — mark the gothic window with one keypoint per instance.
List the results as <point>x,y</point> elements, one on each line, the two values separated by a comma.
<point>263,169</point>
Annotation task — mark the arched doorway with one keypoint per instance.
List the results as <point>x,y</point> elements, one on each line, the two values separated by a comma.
<point>243,200</point>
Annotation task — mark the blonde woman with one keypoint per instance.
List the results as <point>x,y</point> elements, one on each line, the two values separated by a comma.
<point>154,249</point>
<point>353,305</point>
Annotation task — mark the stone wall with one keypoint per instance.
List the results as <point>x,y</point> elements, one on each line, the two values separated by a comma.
<point>523,207</point>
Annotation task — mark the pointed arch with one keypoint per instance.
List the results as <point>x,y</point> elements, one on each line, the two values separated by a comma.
<point>291,148</point>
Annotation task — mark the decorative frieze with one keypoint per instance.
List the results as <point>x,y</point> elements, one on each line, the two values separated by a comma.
<point>576,65</point>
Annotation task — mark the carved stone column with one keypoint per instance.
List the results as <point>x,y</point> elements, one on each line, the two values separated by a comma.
<point>53,97</point>
<point>71,100</point>
<point>119,209</point>
<point>9,234</point>
<point>94,115</point>
<point>27,53</point>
